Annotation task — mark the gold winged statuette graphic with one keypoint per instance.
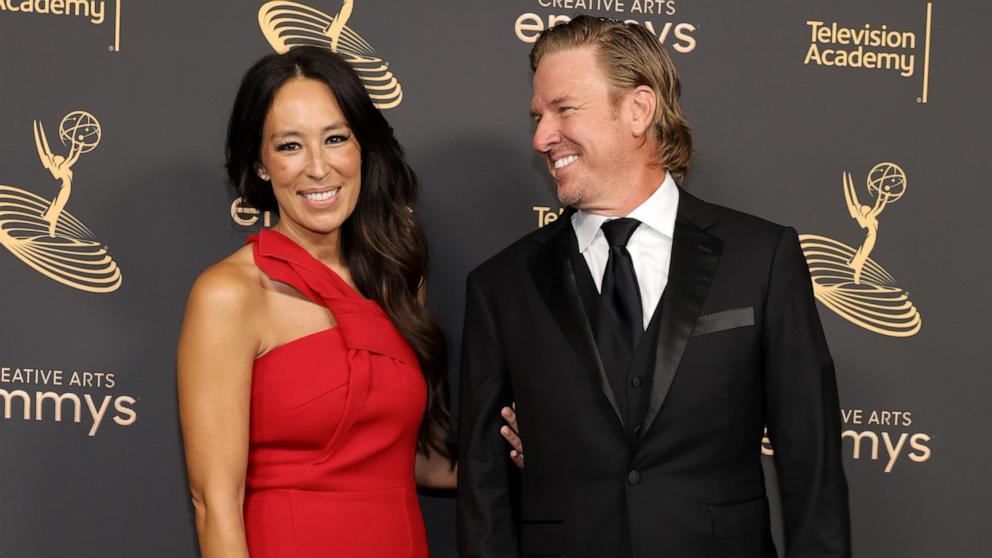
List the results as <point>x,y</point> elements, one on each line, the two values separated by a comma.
<point>336,26</point>
<point>867,218</point>
<point>61,169</point>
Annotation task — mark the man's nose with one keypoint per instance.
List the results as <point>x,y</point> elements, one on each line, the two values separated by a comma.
<point>546,135</point>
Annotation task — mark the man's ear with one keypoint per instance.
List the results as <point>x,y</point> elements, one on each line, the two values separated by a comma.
<point>643,103</point>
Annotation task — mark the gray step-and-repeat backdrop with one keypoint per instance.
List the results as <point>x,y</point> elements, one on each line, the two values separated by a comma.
<point>800,110</point>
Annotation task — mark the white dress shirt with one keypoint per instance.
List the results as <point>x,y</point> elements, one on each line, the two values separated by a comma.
<point>650,246</point>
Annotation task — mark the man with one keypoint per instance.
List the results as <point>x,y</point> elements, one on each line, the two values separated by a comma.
<point>647,338</point>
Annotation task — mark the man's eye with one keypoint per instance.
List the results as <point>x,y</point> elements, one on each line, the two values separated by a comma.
<point>563,110</point>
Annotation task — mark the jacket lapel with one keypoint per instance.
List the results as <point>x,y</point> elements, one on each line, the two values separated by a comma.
<point>551,270</point>
<point>695,256</point>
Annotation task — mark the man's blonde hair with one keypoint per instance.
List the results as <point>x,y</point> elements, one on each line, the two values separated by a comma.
<point>630,56</point>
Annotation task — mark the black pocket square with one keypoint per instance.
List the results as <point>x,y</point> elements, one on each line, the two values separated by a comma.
<point>723,320</point>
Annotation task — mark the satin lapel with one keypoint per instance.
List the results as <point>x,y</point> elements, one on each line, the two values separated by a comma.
<point>695,255</point>
<point>551,271</point>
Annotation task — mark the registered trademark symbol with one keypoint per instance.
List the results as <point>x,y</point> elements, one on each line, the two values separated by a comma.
<point>919,100</point>
<point>110,48</point>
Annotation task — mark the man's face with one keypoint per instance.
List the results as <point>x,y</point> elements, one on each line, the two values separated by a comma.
<point>580,133</point>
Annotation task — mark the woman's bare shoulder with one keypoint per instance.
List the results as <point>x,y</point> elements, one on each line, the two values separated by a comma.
<point>231,286</point>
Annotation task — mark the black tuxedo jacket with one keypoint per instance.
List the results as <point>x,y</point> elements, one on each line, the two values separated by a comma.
<point>740,347</point>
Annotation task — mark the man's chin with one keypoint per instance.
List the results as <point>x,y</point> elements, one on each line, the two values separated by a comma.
<point>569,197</point>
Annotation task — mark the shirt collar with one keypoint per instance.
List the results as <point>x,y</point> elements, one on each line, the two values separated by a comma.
<point>657,212</point>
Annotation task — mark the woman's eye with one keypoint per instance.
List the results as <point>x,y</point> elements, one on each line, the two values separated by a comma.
<point>337,138</point>
<point>288,146</point>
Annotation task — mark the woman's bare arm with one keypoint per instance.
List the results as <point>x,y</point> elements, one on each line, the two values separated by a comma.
<point>216,352</point>
<point>435,471</point>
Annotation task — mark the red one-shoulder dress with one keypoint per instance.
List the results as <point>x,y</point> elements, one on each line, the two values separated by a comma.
<point>334,423</point>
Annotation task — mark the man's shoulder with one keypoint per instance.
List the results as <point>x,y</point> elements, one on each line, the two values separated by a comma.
<point>731,223</point>
<point>514,258</point>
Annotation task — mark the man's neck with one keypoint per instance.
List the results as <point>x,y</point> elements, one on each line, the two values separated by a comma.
<point>642,183</point>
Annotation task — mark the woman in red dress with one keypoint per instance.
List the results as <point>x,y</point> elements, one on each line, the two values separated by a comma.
<point>310,372</point>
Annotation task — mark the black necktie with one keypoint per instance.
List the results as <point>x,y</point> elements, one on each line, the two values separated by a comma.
<point>620,293</point>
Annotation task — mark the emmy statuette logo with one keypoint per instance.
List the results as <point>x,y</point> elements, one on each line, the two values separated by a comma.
<point>41,233</point>
<point>847,280</point>
<point>288,24</point>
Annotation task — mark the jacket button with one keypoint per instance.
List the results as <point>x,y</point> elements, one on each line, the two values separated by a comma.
<point>636,381</point>
<point>637,431</point>
<point>633,477</point>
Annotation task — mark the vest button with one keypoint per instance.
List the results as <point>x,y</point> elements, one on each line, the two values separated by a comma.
<point>634,477</point>
<point>636,381</point>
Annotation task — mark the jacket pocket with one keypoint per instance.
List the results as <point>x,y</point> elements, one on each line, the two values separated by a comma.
<point>735,520</point>
<point>723,320</point>
<point>542,538</point>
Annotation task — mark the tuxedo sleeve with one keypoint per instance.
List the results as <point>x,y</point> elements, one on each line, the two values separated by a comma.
<point>486,526</point>
<point>802,411</point>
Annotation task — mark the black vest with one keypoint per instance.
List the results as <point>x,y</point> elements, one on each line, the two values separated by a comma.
<point>631,381</point>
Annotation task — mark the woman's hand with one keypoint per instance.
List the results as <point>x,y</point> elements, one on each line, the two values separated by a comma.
<point>511,433</point>
<point>436,472</point>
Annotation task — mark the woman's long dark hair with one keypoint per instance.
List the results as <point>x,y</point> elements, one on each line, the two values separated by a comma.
<point>382,243</point>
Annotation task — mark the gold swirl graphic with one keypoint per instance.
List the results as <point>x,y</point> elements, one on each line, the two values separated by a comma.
<point>71,257</point>
<point>876,303</point>
<point>288,24</point>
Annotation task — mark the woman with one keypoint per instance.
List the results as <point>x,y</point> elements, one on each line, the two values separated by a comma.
<point>310,373</point>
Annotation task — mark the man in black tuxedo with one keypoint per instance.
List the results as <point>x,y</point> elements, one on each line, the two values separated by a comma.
<point>647,338</point>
